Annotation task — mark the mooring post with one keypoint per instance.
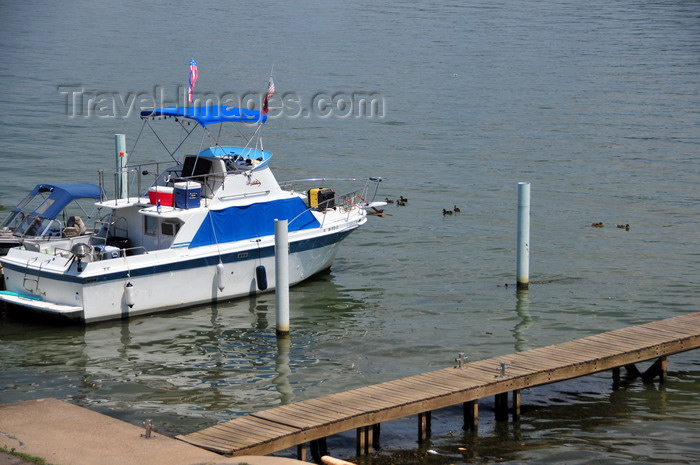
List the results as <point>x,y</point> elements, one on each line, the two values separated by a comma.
<point>282,276</point>
<point>523,264</point>
<point>122,176</point>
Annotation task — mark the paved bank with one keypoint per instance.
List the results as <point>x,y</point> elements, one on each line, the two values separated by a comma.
<point>65,434</point>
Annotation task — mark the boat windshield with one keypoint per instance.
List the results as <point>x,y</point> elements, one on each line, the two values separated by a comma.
<point>34,226</point>
<point>18,213</point>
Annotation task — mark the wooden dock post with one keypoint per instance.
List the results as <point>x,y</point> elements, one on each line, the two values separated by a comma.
<point>376,431</point>
<point>424,426</point>
<point>516,405</point>
<point>365,440</point>
<point>501,406</point>
<point>318,449</point>
<point>658,368</point>
<point>471,415</point>
<point>663,367</point>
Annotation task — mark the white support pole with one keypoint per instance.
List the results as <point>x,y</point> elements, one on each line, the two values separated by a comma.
<point>121,156</point>
<point>523,273</point>
<point>282,276</point>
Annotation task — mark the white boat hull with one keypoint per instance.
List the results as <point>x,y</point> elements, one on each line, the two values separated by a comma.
<point>180,278</point>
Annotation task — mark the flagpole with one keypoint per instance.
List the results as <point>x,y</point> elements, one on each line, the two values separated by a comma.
<point>268,95</point>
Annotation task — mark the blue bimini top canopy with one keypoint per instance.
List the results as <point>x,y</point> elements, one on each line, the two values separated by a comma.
<point>210,115</point>
<point>60,196</point>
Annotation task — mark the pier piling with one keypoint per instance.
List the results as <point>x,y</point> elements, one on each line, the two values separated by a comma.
<point>523,263</point>
<point>282,276</point>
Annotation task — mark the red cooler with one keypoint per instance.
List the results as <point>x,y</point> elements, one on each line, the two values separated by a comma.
<point>163,193</point>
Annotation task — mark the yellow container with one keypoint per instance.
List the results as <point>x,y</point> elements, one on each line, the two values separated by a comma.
<point>321,198</point>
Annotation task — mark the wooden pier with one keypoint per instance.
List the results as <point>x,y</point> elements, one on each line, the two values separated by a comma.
<point>364,409</point>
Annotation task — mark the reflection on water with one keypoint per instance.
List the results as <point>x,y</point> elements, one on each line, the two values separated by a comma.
<point>184,369</point>
<point>522,310</point>
<point>281,381</point>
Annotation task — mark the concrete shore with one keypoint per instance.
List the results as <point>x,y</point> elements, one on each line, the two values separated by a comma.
<point>65,434</point>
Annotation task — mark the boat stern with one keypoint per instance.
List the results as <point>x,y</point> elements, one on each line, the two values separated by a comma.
<point>26,305</point>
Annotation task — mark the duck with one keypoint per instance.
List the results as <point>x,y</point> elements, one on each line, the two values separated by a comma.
<point>624,226</point>
<point>597,225</point>
<point>446,212</point>
<point>456,209</point>
<point>388,200</point>
<point>403,199</point>
<point>400,203</point>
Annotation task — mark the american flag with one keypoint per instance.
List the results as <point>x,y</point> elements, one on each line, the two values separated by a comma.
<point>194,75</point>
<point>269,95</point>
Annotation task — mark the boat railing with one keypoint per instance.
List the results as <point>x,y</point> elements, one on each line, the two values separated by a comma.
<point>344,203</point>
<point>301,185</point>
<point>146,175</point>
<point>96,252</point>
<point>137,174</point>
<point>60,248</point>
<point>102,253</point>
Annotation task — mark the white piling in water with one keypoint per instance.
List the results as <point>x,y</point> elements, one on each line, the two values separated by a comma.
<point>122,176</point>
<point>523,272</point>
<point>282,276</point>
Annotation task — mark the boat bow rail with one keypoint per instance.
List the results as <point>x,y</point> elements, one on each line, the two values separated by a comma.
<point>347,204</point>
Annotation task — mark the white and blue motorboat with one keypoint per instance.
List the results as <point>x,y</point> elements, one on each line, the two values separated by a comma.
<point>202,231</point>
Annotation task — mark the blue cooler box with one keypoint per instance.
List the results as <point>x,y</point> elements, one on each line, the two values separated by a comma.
<point>187,194</point>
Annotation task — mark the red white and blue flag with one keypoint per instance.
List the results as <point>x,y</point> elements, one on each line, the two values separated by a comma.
<point>269,95</point>
<point>194,75</point>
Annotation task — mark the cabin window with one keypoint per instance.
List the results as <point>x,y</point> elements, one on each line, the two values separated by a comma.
<point>151,226</point>
<point>169,229</point>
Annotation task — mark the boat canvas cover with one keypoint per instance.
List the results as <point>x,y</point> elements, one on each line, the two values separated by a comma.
<point>210,115</point>
<point>254,220</point>
<point>61,195</point>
